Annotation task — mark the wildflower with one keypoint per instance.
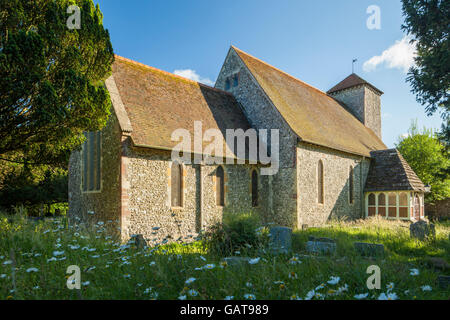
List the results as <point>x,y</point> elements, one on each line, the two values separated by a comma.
<point>58,253</point>
<point>223,264</point>
<point>389,296</point>
<point>52,259</point>
<point>361,296</point>
<point>229,298</point>
<point>74,247</point>
<point>254,261</point>
<point>249,285</point>
<point>414,272</point>
<point>332,292</point>
<point>282,286</point>
<point>86,283</point>
<point>426,288</point>
<point>190,280</point>
<point>193,293</point>
<point>294,260</point>
<point>292,275</point>
<point>127,276</point>
<point>390,286</point>
<point>342,289</point>
<point>2,276</point>
<point>249,296</point>
<point>32,270</point>
<point>95,256</point>
<point>320,286</point>
<point>237,252</point>
<point>333,280</point>
<point>295,297</point>
<point>182,297</point>
<point>152,263</point>
<point>310,295</point>
<point>7,262</point>
<point>203,258</point>
<point>209,266</point>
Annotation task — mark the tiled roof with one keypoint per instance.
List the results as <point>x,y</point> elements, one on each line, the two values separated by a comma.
<point>352,81</point>
<point>390,171</point>
<point>313,115</point>
<point>158,102</point>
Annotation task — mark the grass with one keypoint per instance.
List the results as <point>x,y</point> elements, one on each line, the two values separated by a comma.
<point>34,257</point>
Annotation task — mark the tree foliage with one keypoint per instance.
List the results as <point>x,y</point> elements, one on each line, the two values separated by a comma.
<point>425,154</point>
<point>51,79</point>
<point>428,21</point>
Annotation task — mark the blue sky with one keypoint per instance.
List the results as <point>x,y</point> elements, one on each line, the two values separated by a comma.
<point>314,41</point>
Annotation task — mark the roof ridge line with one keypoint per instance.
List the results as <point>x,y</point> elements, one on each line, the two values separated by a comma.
<point>268,64</point>
<point>170,74</point>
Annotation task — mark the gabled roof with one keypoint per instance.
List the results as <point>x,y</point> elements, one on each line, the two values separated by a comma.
<point>313,115</point>
<point>352,81</point>
<point>157,103</point>
<point>390,171</point>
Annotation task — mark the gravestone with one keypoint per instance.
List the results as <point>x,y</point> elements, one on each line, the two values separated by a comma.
<point>443,281</point>
<point>321,245</point>
<point>422,230</point>
<point>280,240</point>
<point>139,241</point>
<point>369,249</point>
<point>236,261</point>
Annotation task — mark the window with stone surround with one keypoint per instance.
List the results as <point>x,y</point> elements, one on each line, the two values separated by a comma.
<point>176,184</point>
<point>220,186</point>
<point>320,184</point>
<point>255,194</point>
<point>372,205</point>
<point>392,201</point>
<point>382,204</point>
<point>227,84</point>
<point>91,162</point>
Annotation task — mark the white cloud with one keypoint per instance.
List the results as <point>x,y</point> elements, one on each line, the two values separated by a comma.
<point>400,55</point>
<point>191,74</point>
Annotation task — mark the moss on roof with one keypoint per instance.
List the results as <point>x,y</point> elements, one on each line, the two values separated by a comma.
<point>313,115</point>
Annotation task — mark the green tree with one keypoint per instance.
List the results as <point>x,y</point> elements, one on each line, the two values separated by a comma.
<point>428,22</point>
<point>51,79</point>
<point>424,153</point>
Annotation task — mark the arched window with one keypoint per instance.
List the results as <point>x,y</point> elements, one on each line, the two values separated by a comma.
<point>254,188</point>
<point>235,80</point>
<point>220,186</point>
<point>320,195</point>
<point>382,204</point>
<point>350,185</point>
<point>227,84</point>
<point>176,184</point>
<point>91,162</point>
<point>392,199</point>
<point>403,205</point>
<point>372,205</point>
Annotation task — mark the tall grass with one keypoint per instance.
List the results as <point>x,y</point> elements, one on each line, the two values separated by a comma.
<point>34,256</point>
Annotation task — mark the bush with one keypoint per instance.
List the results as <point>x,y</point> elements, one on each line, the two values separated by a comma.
<point>242,232</point>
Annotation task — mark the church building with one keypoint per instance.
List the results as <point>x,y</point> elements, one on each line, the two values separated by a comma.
<point>332,161</point>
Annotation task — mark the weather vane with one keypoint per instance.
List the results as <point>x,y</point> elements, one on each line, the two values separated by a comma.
<point>353,65</point>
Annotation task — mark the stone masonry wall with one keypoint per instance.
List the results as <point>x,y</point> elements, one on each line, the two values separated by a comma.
<point>262,114</point>
<point>105,205</point>
<point>364,103</point>
<point>336,185</point>
<point>149,196</point>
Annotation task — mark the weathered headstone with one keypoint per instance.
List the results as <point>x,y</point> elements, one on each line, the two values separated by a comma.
<point>139,241</point>
<point>280,240</point>
<point>443,281</point>
<point>236,261</point>
<point>422,230</point>
<point>321,245</point>
<point>369,249</point>
<point>438,263</point>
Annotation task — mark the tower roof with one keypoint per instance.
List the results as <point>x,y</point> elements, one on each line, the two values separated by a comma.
<point>352,80</point>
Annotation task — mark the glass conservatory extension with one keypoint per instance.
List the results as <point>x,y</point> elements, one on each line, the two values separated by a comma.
<point>403,205</point>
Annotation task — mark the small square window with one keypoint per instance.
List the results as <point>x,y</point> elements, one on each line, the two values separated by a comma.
<point>227,84</point>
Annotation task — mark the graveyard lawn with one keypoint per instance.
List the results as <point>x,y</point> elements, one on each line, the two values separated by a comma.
<point>34,257</point>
